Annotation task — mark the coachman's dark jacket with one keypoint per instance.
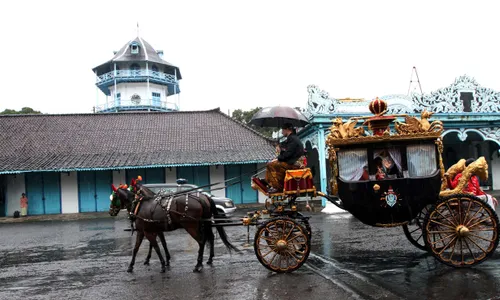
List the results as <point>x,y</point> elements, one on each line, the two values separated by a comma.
<point>291,149</point>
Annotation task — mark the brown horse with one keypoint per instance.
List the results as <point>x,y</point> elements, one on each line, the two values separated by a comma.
<point>126,198</point>
<point>156,213</point>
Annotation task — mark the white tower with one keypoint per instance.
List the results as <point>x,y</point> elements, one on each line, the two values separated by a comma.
<point>137,78</point>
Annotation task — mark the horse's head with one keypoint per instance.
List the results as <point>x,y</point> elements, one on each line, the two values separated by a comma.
<point>140,190</point>
<point>120,198</point>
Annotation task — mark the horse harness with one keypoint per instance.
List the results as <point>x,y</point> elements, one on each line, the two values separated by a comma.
<point>165,205</point>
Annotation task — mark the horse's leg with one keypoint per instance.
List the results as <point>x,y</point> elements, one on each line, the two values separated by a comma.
<point>164,244</point>
<point>211,240</point>
<point>152,239</point>
<point>146,262</point>
<point>196,231</point>
<point>138,241</point>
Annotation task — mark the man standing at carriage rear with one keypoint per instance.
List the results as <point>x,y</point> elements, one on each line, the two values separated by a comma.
<point>290,152</point>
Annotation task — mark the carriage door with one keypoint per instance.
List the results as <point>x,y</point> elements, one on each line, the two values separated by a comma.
<point>240,192</point>
<point>94,189</point>
<point>44,193</point>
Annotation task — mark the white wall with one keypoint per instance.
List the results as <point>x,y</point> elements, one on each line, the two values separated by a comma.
<point>217,175</point>
<point>69,193</point>
<point>170,174</point>
<point>119,177</point>
<point>495,171</point>
<point>262,197</point>
<point>15,187</point>
<point>126,91</point>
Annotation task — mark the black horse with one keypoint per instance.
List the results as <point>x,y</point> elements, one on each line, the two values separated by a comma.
<point>155,214</point>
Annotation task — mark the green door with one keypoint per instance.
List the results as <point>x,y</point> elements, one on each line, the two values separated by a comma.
<point>240,188</point>
<point>199,175</point>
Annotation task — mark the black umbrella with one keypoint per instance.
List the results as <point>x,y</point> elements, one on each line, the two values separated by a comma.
<point>276,116</point>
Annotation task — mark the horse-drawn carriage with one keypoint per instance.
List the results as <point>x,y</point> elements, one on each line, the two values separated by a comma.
<point>385,177</point>
<point>392,177</point>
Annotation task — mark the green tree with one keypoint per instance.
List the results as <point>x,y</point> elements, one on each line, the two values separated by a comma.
<point>24,110</point>
<point>245,116</point>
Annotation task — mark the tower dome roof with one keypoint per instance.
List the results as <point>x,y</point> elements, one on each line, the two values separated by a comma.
<point>136,50</point>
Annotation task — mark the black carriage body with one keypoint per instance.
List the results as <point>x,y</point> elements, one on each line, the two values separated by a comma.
<point>398,199</point>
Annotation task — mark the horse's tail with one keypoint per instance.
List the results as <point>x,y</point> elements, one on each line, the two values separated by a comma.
<point>220,229</point>
<point>223,237</point>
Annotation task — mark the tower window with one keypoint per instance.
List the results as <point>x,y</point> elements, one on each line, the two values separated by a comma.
<point>134,49</point>
<point>156,95</point>
<point>154,68</point>
<point>118,96</point>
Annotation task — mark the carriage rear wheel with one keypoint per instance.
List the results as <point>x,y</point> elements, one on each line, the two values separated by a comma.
<point>462,230</point>
<point>282,244</point>
<point>414,231</point>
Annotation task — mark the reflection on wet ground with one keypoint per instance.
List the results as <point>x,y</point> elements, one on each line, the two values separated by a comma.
<point>88,259</point>
<point>384,256</point>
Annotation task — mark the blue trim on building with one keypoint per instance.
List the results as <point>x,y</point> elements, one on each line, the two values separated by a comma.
<point>136,167</point>
<point>322,159</point>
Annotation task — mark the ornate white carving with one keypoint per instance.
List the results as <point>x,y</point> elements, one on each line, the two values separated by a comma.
<point>320,103</point>
<point>488,134</point>
<point>312,138</point>
<point>447,100</point>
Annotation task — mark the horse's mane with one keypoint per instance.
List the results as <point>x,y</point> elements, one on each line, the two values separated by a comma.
<point>145,191</point>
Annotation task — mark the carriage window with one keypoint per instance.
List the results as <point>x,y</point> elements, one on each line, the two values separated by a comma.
<point>421,160</point>
<point>353,165</point>
<point>387,163</point>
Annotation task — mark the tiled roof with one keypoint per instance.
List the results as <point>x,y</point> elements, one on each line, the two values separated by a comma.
<point>126,140</point>
<point>146,53</point>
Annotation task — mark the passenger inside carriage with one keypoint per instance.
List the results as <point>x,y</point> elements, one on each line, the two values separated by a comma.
<point>387,164</point>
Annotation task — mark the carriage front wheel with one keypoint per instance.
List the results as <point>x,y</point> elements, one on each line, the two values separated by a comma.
<point>461,230</point>
<point>282,244</point>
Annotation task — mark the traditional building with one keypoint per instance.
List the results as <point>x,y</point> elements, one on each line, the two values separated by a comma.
<point>470,114</point>
<point>66,163</point>
<point>137,78</point>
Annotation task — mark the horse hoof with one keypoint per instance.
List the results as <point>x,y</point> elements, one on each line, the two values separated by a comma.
<point>210,262</point>
<point>130,270</point>
<point>163,269</point>
<point>146,263</point>
<point>198,269</point>
<point>168,264</point>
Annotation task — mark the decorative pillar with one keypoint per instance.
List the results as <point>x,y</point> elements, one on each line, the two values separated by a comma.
<point>322,162</point>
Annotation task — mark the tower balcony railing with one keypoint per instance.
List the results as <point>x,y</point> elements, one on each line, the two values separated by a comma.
<point>135,75</point>
<point>135,105</point>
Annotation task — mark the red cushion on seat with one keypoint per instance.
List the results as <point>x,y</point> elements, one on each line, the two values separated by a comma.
<point>259,183</point>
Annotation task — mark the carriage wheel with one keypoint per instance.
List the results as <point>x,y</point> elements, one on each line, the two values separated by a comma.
<point>282,245</point>
<point>462,230</point>
<point>304,223</point>
<point>307,226</point>
<point>414,231</point>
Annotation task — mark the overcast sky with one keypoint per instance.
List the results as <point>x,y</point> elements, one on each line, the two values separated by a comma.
<point>242,54</point>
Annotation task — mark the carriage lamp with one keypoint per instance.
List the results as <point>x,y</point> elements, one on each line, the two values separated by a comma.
<point>376,187</point>
<point>246,221</point>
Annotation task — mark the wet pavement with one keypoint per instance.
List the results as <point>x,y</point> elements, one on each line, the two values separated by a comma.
<point>87,259</point>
